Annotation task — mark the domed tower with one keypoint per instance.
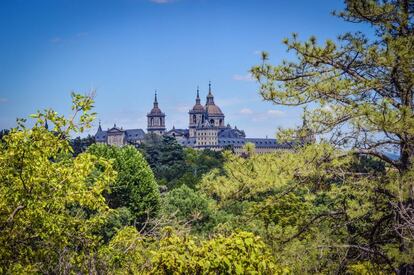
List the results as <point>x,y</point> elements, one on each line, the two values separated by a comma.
<point>196,115</point>
<point>212,112</point>
<point>156,119</point>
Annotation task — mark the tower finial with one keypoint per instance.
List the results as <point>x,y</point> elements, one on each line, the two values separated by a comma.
<point>210,97</point>
<point>198,96</point>
<point>155,100</point>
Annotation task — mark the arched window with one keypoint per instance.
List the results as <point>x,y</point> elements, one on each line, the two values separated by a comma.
<point>212,121</point>
<point>152,122</point>
<point>194,119</point>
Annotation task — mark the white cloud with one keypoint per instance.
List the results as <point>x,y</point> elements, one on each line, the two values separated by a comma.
<point>246,111</point>
<point>162,1</point>
<point>275,113</point>
<point>247,77</point>
<point>225,102</point>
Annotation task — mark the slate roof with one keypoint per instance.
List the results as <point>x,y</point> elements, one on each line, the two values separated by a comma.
<point>131,134</point>
<point>236,142</point>
<point>134,134</point>
<point>100,136</point>
<point>178,133</point>
<point>268,143</point>
<point>231,133</point>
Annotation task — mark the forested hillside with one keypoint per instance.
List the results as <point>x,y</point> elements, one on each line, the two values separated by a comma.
<point>339,205</point>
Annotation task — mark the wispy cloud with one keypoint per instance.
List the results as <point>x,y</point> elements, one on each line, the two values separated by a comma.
<point>275,113</point>
<point>70,38</point>
<point>247,77</point>
<point>262,115</point>
<point>162,1</point>
<point>246,111</point>
<point>226,102</point>
<point>3,100</point>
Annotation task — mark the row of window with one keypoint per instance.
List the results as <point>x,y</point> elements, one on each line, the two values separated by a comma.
<point>207,143</point>
<point>206,133</point>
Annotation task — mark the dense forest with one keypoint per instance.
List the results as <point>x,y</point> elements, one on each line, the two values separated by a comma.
<point>341,204</point>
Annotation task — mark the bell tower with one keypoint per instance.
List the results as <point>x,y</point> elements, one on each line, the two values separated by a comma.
<point>156,119</point>
<point>196,115</point>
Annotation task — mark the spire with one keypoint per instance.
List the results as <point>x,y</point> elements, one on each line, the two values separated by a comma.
<point>155,100</point>
<point>99,128</point>
<point>210,97</point>
<point>198,96</point>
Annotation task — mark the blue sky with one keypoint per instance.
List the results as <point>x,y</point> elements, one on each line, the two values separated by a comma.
<point>125,49</point>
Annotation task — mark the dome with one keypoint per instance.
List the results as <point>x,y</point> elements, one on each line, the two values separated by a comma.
<point>156,111</point>
<point>198,108</point>
<point>213,110</point>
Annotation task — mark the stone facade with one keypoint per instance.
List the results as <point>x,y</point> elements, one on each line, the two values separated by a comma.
<point>116,136</point>
<point>206,130</point>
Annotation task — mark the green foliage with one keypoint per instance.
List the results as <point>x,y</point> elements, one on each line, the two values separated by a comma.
<point>199,162</point>
<point>362,87</point>
<point>115,220</point>
<point>239,253</point>
<point>361,90</point>
<point>315,209</point>
<point>50,203</point>
<point>165,157</point>
<point>3,133</point>
<point>190,207</point>
<point>79,145</point>
<point>316,206</point>
<point>127,253</point>
<point>173,165</point>
<point>135,187</point>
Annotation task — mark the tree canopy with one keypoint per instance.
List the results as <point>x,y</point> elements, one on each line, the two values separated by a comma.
<point>50,203</point>
<point>362,84</point>
<point>135,187</point>
<point>359,89</point>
